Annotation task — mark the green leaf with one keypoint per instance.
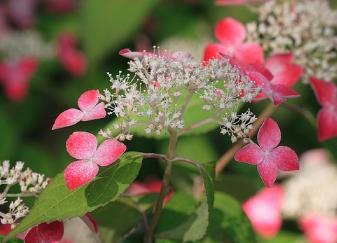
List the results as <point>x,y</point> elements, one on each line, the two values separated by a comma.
<point>193,227</point>
<point>56,202</point>
<point>229,223</point>
<point>284,236</point>
<point>106,24</point>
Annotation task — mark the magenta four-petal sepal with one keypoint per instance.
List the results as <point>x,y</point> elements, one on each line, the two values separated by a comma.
<point>90,109</point>
<point>83,147</point>
<point>267,155</point>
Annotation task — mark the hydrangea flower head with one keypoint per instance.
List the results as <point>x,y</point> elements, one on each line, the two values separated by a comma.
<point>83,147</point>
<point>264,211</point>
<point>326,94</point>
<point>169,83</point>
<point>90,109</point>
<point>267,155</point>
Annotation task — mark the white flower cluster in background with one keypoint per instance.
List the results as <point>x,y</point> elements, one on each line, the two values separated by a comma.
<point>306,28</point>
<point>26,43</point>
<point>313,188</point>
<point>162,86</point>
<point>15,183</point>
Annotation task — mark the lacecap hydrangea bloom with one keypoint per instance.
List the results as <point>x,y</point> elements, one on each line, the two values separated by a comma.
<point>161,86</point>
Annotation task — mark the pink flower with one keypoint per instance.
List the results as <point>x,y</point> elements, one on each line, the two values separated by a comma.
<point>276,77</point>
<point>149,186</point>
<point>268,156</point>
<point>83,147</point>
<point>326,94</point>
<point>71,58</point>
<point>15,77</point>
<point>43,233</point>
<point>264,211</point>
<point>319,229</point>
<point>90,109</point>
<point>231,33</point>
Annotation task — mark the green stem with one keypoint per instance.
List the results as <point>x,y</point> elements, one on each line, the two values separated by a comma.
<point>164,189</point>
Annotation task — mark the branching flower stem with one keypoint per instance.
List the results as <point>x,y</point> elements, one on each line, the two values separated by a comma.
<point>164,189</point>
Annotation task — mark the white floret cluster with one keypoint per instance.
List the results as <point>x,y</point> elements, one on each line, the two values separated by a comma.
<point>161,87</point>
<point>15,183</point>
<point>306,28</point>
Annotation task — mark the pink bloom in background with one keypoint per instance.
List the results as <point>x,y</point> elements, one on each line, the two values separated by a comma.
<point>264,211</point>
<point>319,229</point>
<point>71,58</point>
<point>326,94</point>
<point>83,147</point>
<point>149,186</point>
<point>44,233</point>
<point>60,6</point>
<point>276,77</point>
<point>22,12</point>
<point>90,109</point>
<point>231,34</point>
<point>15,76</point>
<point>267,155</point>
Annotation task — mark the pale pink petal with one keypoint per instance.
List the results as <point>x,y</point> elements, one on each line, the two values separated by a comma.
<point>67,118</point>
<point>133,54</point>
<point>45,233</point>
<point>284,71</point>
<point>285,158</point>
<point>138,188</point>
<point>108,152</point>
<point>319,228</point>
<point>269,135</point>
<point>327,123</point>
<point>81,145</point>
<point>251,154</point>
<point>97,112</point>
<point>215,51</point>
<point>249,53</point>
<point>281,93</point>
<point>264,211</point>
<point>268,172</point>
<point>79,173</point>
<point>88,100</point>
<point>230,31</point>
<point>326,92</point>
